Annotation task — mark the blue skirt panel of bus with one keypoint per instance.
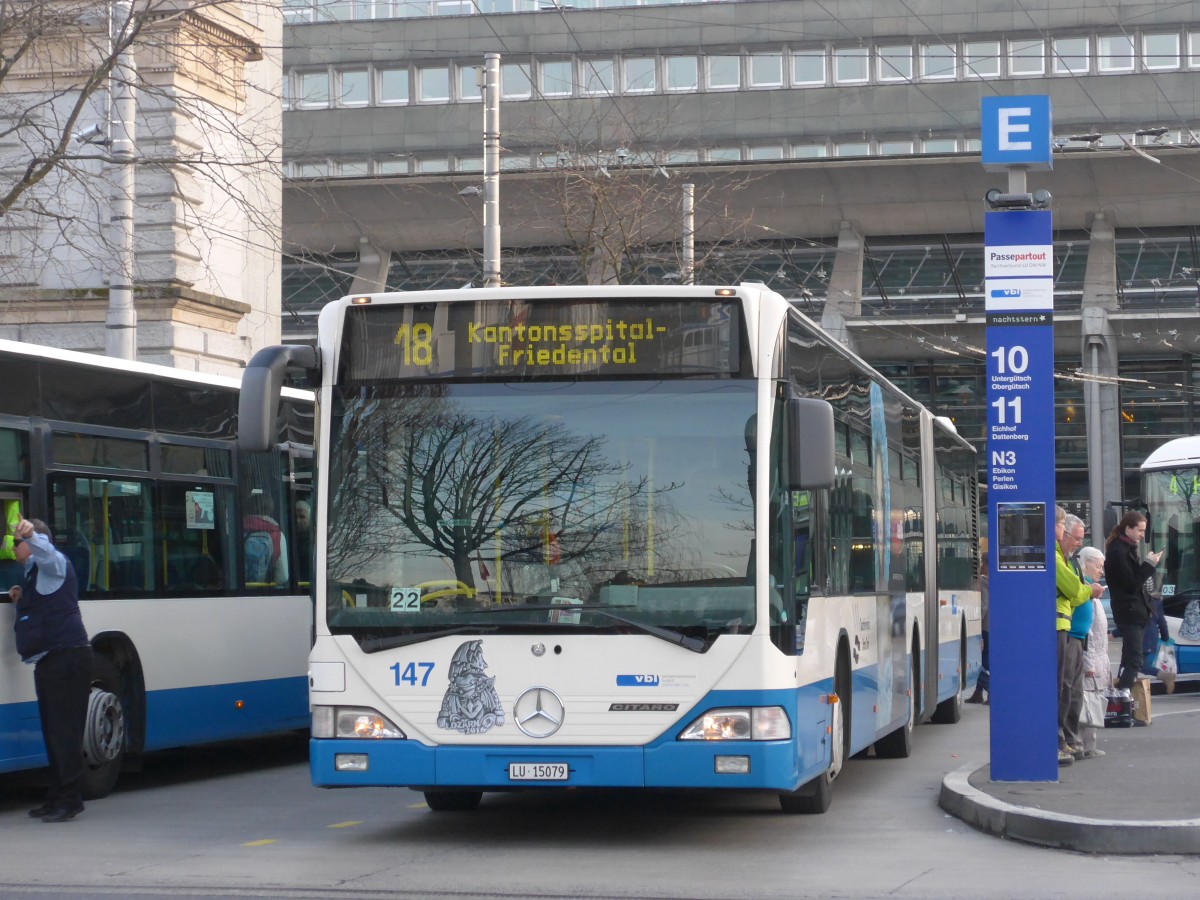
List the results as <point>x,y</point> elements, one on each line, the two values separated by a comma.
<point>1188,658</point>
<point>198,715</point>
<point>664,762</point>
<point>21,744</point>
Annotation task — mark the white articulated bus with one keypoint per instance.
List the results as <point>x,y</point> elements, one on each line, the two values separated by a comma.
<point>169,528</point>
<point>621,536</point>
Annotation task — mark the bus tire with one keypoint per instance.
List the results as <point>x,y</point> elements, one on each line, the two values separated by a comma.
<point>104,733</point>
<point>453,801</point>
<point>816,796</point>
<point>899,744</point>
<point>950,710</point>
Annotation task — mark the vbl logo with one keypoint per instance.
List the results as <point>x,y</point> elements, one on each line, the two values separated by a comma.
<point>637,681</point>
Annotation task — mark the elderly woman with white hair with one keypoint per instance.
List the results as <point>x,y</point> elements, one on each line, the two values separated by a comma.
<point>1097,675</point>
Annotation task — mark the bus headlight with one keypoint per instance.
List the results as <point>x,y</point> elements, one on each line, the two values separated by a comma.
<point>352,722</point>
<point>755,723</point>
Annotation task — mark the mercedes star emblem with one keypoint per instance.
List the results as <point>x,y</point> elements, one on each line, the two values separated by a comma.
<point>538,712</point>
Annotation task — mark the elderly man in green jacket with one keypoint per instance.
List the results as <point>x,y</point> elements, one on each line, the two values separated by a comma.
<point>1073,591</point>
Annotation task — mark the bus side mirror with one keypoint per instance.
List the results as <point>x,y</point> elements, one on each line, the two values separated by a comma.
<point>810,444</point>
<point>262,382</point>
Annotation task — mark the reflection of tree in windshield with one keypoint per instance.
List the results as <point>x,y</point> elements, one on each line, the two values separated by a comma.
<point>418,474</point>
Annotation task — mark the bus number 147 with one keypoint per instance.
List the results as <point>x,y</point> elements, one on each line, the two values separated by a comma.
<point>409,675</point>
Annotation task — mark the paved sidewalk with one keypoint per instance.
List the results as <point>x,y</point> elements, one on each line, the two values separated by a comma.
<point>1143,796</point>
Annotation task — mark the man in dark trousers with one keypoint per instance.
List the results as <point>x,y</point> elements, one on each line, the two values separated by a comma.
<point>51,637</point>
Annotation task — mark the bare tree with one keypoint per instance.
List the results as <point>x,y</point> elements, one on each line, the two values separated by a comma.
<point>208,154</point>
<point>616,194</point>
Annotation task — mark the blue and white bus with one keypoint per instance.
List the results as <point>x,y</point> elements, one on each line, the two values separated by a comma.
<point>1171,495</point>
<point>621,537</point>
<point>135,469</point>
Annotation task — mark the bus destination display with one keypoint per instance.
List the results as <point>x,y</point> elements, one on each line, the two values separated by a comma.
<point>551,339</point>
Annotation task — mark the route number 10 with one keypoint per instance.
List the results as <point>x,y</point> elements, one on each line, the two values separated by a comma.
<point>1011,359</point>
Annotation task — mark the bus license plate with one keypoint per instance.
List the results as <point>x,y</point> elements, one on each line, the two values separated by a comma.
<point>538,772</point>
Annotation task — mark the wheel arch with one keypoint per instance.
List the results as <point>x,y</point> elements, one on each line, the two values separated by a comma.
<point>119,649</point>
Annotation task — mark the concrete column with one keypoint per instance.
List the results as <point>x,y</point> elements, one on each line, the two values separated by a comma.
<point>844,299</point>
<point>1100,366</point>
<point>371,275</point>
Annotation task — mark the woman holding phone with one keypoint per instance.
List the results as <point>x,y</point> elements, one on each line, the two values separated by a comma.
<point>1127,573</point>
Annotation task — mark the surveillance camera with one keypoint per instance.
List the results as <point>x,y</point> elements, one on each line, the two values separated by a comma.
<point>997,199</point>
<point>471,190</point>
<point>1041,198</point>
<point>89,135</point>
<point>622,152</point>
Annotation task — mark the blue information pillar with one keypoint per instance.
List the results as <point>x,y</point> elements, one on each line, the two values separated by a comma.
<point>1019,290</point>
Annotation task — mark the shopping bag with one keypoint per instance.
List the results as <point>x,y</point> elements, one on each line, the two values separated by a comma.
<point>1166,662</point>
<point>1094,708</point>
<point>1119,713</point>
<point>1141,700</point>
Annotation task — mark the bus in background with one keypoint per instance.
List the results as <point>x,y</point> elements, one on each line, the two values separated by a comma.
<point>621,537</point>
<point>1171,497</point>
<point>193,576</point>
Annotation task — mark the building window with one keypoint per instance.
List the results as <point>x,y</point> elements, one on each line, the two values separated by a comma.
<point>766,153</point>
<point>724,154</point>
<point>677,157</point>
<point>1160,51</point>
<point>393,85</point>
<point>313,169</point>
<point>683,73</point>
<point>469,164</point>
<point>723,72</point>
<point>1027,57</point>
<point>639,75</point>
<point>353,168</point>
<point>514,161</point>
<point>297,11</point>
<point>1071,56</point>
<point>851,65</point>
<point>1194,50</point>
<point>853,148</point>
<point>938,61</point>
<point>556,78</point>
<point>394,166</point>
<point>514,81</point>
<point>895,148</point>
<point>981,59</point>
<point>808,67</point>
<point>354,87</point>
<point>766,70</point>
<point>809,151</point>
<point>314,90</point>
<point>433,165</point>
<point>1114,53</point>
<point>433,84</point>
<point>597,76</point>
<point>895,63</point>
<point>939,145</point>
<point>468,83</point>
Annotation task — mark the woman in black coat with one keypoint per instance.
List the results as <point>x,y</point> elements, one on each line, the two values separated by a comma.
<point>1126,573</point>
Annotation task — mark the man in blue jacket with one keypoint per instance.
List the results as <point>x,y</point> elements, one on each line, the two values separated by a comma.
<point>51,637</point>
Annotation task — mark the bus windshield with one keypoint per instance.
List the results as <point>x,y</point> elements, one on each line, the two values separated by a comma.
<point>1172,498</point>
<point>540,506</point>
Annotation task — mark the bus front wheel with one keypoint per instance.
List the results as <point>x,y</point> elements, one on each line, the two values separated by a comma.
<point>453,801</point>
<point>816,796</point>
<point>104,731</point>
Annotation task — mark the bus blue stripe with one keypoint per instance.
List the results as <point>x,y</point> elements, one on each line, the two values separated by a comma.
<point>198,715</point>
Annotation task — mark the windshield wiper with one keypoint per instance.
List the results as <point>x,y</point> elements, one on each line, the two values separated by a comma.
<point>696,645</point>
<point>374,645</point>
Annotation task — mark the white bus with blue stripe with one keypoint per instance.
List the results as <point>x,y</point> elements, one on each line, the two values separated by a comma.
<point>1171,495</point>
<point>622,537</point>
<point>136,471</point>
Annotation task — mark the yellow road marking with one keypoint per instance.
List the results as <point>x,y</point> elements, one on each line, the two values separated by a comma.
<point>418,806</point>
<point>261,843</point>
<point>344,824</point>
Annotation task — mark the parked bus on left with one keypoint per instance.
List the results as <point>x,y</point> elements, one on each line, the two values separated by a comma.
<point>192,558</point>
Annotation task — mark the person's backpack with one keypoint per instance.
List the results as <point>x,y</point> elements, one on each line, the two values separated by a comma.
<point>260,553</point>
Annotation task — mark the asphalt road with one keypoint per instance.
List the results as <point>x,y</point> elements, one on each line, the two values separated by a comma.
<point>243,821</point>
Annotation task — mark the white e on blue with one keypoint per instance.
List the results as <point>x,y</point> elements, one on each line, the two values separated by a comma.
<point>1016,131</point>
